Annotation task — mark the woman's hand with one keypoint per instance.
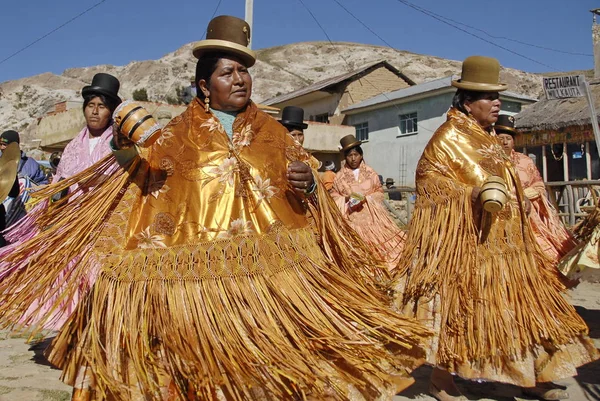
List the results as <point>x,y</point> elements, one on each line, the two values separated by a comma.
<point>475,197</point>
<point>300,177</point>
<point>527,206</point>
<point>119,140</point>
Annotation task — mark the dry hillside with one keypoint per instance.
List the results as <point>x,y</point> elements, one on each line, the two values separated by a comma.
<point>278,70</point>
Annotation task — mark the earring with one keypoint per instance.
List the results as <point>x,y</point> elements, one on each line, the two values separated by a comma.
<point>206,104</point>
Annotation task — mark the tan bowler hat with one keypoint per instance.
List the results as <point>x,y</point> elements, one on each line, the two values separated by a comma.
<point>348,142</point>
<point>229,35</point>
<point>480,74</point>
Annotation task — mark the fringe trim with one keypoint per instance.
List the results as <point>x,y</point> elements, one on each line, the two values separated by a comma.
<point>82,219</point>
<point>342,244</point>
<point>291,330</point>
<point>499,301</point>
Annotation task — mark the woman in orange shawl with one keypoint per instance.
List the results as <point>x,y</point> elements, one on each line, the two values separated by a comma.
<point>550,233</point>
<point>359,196</point>
<point>211,283</point>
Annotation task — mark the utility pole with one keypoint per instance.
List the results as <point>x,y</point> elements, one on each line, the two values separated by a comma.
<point>249,12</point>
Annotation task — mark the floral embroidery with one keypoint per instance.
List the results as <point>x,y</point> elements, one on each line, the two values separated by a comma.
<point>213,124</point>
<point>237,227</point>
<point>244,137</point>
<point>226,171</point>
<point>167,165</point>
<point>147,240</point>
<point>165,138</point>
<point>264,188</point>
<point>164,223</point>
<point>494,152</point>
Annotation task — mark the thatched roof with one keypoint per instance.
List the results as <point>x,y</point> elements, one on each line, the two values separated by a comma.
<point>557,115</point>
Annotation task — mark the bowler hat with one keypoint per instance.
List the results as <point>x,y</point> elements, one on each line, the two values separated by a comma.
<point>480,74</point>
<point>227,34</point>
<point>293,116</point>
<point>9,136</point>
<point>349,142</point>
<point>104,84</point>
<point>505,124</point>
<point>389,180</point>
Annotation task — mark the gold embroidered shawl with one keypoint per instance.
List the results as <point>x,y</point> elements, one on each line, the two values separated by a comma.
<point>481,283</point>
<point>209,275</point>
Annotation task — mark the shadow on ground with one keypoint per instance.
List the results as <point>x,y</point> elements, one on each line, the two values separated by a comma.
<point>38,349</point>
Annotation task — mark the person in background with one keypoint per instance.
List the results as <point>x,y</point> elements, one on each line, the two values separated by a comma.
<point>100,99</point>
<point>328,176</point>
<point>475,277</point>
<point>550,233</point>
<point>29,174</point>
<point>392,195</point>
<point>7,164</point>
<point>28,168</point>
<point>359,197</point>
<point>292,118</point>
<point>91,145</point>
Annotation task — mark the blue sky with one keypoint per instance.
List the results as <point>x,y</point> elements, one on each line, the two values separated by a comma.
<point>117,32</point>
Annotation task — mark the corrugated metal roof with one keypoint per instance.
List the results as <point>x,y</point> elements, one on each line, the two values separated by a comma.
<point>334,81</point>
<point>419,89</point>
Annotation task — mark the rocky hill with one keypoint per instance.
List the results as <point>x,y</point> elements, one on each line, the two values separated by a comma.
<point>278,70</point>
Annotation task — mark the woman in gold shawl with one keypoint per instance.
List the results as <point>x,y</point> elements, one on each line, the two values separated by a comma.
<point>477,278</point>
<point>210,282</point>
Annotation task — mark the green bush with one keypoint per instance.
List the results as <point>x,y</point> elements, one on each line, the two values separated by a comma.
<point>140,95</point>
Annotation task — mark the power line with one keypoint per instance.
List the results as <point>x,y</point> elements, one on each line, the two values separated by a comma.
<point>52,31</point>
<point>345,60</point>
<point>441,19</point>
<point>510,39</point>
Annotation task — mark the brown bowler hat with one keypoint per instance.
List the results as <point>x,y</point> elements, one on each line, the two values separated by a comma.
<point>505,125</point>
<point>229,35</point>
<point>480,74</point>
<point>349,142</point>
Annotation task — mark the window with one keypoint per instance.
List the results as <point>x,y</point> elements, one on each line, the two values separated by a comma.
<point>408,124</point>
<point>322,118</point>
<point>362,131</point>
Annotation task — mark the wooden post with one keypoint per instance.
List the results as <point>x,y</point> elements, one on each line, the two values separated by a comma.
<point>565,162</point>
<point>544,164</point>
<point>588,95</point>
<point>588,161</point>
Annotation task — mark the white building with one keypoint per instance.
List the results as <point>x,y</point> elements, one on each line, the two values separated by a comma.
<point>396,126</point>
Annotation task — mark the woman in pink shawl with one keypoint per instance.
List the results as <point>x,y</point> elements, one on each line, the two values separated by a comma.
<point>359,196</point>
<point>550,233</point>
<point>100,99</point>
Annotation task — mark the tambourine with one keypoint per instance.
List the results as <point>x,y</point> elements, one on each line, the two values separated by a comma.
<point>136,123</point>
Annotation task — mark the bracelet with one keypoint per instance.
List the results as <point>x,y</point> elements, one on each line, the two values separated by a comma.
<point>310,190</point>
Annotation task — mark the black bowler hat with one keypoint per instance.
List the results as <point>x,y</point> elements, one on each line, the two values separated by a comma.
<point>505,125</point>
<point>293,116</point>
<point>104,84</point>
<point>9,136</point>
